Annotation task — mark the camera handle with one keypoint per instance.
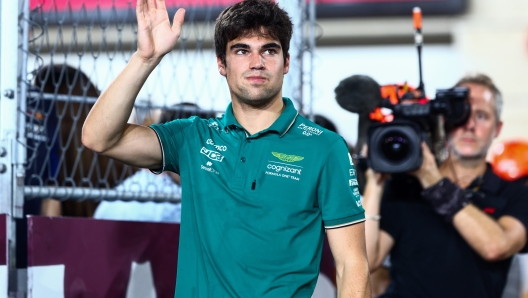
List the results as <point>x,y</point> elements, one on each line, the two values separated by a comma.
<point>440,149</point>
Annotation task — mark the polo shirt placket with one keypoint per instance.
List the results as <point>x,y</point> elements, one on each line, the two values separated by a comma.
<point>247,158</point>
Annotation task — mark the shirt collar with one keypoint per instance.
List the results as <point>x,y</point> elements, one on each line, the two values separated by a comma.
<point>281,125</point>
<point>489,182</point>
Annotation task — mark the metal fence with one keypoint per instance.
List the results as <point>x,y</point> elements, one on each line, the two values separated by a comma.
<point>57,56</point>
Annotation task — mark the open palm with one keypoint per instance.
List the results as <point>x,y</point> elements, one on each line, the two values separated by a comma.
<point>156,36</point>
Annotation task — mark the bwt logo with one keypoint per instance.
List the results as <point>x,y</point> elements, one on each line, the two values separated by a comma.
<point>212,155</point>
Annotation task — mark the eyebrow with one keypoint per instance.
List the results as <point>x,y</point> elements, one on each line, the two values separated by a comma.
<point>271,45</point>
<point>239,46</point>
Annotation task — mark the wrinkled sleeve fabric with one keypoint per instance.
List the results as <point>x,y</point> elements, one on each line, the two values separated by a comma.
<point>517,207</point>
<point>337,191</point>
<point>171,140</point>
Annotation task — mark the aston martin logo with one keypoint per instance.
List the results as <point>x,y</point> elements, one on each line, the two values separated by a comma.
<point>287,157</point>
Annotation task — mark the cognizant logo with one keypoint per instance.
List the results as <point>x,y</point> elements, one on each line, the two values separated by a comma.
<point>286,169</point>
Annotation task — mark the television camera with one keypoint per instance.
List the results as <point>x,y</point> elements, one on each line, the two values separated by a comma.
<point>400,117</point>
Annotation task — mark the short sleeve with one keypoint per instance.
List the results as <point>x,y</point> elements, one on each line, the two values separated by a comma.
<point>337,191</point>
<point>171,140</point>
<point>517,207</point>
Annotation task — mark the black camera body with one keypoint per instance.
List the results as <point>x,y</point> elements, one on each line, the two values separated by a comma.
<point>395,147</point>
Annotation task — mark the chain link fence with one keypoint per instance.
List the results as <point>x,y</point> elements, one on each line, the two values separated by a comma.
<point>75,49</point>
<point>57,56</point>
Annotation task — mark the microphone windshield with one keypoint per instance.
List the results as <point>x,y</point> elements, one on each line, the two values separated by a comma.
<point>358,94</point>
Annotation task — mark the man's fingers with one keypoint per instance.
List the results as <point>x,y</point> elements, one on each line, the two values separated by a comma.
<point>139,7</point>
<point>160,4</point>
<point>364,150</point>
<point>425,148</point>
<point>151,4</point>
<point>177,23</point>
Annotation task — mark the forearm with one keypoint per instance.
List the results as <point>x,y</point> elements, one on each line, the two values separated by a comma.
<point>353,280</point>
<point>371,204</point>
<point>483,233</point>
<point>108,118</point>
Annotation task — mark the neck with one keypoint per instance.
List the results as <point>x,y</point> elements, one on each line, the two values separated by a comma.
<point>255,119</point>
<point>463,171</point>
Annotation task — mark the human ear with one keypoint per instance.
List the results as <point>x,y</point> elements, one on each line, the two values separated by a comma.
<point>287,64</point>
<point>498,129</point>
<point>221,66</point>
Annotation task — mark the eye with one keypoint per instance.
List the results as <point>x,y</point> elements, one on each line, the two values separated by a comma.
<point>481,116</point>
<point>270,51</point>
<point>240,52</point>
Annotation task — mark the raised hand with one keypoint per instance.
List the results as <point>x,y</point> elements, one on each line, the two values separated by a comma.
<point>156,36</point>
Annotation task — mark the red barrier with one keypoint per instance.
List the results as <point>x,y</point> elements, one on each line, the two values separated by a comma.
<point>97,255</point>
<point>78,257</point>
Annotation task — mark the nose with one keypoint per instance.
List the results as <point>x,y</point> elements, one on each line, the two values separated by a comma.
<point>257,61</point>
<point>470,124</point>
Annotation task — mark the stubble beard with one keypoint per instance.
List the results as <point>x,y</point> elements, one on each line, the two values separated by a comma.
<point>468,158</point>
<point>263,98</point>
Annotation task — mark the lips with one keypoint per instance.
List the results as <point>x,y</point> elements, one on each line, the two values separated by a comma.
<point>468,140</point>
<point>256,79</point>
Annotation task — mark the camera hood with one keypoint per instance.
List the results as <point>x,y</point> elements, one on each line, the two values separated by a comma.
<point>395,147</point>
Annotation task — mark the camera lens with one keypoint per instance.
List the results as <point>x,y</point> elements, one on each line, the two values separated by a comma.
<point>395,146</point>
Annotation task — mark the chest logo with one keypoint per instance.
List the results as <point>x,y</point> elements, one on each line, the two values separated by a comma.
<point>213,125</point>
<point>212,155</point>
<point>287,157</point>
<point>218,147</point>
<point>309,130</point>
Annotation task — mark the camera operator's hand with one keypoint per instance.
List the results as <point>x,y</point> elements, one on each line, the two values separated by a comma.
<point>375,179</point>
<point>445,196</point>
<point>428,174</point>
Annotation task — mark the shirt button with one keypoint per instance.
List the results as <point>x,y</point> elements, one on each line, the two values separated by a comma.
<point>248,140</point>
<point>243,159</point>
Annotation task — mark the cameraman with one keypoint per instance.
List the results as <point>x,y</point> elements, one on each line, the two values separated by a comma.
<point>451,230</point>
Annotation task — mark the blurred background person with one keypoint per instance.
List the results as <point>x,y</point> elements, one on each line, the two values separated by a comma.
<point>145,181</point>
<point>451,230</point>
<point>74,165</point>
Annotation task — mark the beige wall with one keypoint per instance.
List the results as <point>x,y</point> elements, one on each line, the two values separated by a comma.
<point>493,38</point>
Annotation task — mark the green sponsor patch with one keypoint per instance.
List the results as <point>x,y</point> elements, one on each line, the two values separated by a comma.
<point>287,157</point>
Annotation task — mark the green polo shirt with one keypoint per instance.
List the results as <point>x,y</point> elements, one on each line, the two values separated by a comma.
<point>254,207</point>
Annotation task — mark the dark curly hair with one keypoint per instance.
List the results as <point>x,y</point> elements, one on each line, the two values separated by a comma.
<point>249,17</point>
